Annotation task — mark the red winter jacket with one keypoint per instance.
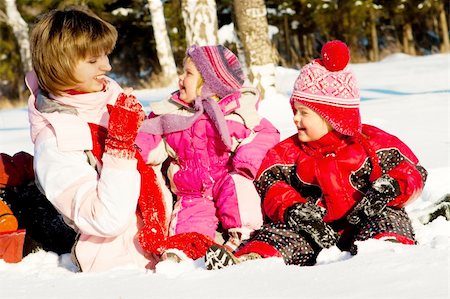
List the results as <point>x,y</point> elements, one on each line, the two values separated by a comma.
<point>334,172</point>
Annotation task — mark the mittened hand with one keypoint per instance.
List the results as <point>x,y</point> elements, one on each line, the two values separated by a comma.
<point>382,191</point>
<point>125,118</point>
<point>307,217</point>
<point>128,102</point>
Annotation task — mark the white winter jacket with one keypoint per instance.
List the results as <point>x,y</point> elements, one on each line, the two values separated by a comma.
<point>98,202</point>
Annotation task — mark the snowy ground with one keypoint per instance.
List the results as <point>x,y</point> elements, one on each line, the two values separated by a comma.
<point>406,96</point>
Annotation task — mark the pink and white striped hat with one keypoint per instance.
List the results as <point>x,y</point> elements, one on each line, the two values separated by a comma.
<point>329,88</point>
<point>219,67</point>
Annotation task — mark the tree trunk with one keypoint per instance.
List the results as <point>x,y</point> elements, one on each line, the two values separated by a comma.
<point>163,48</point>
<point>251,18</point>
<point>374,36</point>
<point>408,39</point>
<point>308,41</point>
<point>20,30</point>
<point>200,20</point>
<point>445,46</point>
<point>287,38</point>
<point>241,56</point>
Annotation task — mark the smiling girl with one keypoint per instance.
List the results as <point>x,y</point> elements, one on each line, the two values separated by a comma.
<point>214,140</point>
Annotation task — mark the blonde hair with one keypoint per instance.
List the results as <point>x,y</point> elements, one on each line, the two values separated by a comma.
<point>200,85</point>
<point>61,38</point>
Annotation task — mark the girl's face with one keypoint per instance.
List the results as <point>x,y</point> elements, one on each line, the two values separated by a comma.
<point>188,82</point>
<point>91,73</point>
<point>310,125</point>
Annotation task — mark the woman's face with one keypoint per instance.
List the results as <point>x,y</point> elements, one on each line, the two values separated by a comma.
<point>310,125</point>
<point>91,73</point>
<point>188,82</point>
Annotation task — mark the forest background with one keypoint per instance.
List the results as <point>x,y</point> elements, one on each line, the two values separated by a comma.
<point>153,34</point>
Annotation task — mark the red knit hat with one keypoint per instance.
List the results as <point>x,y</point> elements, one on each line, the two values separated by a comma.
<point>219,67</point>
<point>326,86</point>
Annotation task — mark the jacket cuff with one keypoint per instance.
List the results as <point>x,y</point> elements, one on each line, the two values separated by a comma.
<point>245,169</point>
<point>120,163</point>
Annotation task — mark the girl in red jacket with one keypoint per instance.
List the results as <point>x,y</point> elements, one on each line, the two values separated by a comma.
<point>334,182</point>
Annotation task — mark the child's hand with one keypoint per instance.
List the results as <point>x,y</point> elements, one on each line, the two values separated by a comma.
<point>126,116</point>
<point>383,190</point>
<point>307,218</point>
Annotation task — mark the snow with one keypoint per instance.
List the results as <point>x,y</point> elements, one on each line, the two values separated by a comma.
<point>404,95</point>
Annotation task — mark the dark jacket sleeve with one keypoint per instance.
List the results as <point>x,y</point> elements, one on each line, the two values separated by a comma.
<point>276,180</point>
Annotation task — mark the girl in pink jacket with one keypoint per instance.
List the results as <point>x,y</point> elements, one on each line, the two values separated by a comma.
<point>83,127</point>
<point>214,138</point>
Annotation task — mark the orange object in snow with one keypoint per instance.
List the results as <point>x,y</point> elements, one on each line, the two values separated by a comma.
<point>8,221</point>
<point>11,239</point>
<point>11,246</point>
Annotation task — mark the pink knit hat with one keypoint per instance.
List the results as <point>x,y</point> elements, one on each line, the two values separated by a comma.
<point>219,68</point>
<point>326,86</point>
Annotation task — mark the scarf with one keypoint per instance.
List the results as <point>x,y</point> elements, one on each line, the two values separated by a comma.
<point>169,123</point>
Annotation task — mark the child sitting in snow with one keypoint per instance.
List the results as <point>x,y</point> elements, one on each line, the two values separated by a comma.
<point>334,182</point>
<point>215,139</point>
<point>83,127</point>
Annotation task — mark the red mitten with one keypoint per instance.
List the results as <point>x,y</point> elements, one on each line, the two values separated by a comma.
<point>125,118</point>
<point>193,244</point>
